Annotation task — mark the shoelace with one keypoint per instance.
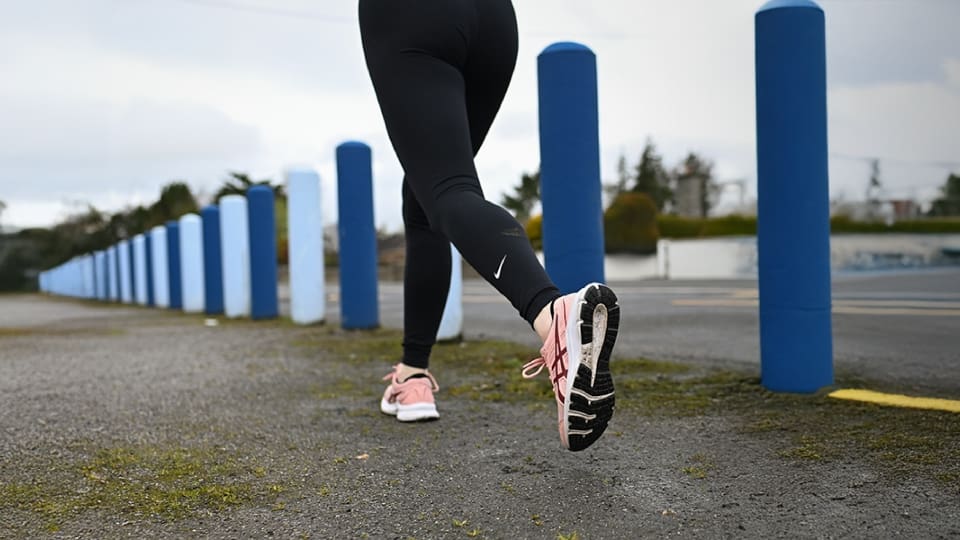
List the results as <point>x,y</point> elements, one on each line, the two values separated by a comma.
<point>392,376</point>
<point>538,363</point>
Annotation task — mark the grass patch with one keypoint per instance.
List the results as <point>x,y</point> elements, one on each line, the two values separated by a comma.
<point>699,467</point>
<point>801,428</point>
<point>141,482</point>
<point>59,332</point>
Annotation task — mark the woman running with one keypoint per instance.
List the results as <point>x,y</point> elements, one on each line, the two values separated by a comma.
<point>440,69</point>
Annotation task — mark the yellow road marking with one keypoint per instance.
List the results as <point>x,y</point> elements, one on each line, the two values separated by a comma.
<point>897,400</point>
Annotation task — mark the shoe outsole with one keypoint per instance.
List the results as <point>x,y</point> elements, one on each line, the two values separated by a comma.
<point>591,400</point>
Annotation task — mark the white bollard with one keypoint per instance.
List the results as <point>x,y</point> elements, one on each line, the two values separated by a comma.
<point>451,325</point>
<point>140,268</point>
<point>191,263</point>
<point>161,273</point>
<point>663,259</point>
<point>235,255</point>
<point>305,247</point>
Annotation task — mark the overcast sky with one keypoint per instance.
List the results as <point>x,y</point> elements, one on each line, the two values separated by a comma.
<point>104,101</point>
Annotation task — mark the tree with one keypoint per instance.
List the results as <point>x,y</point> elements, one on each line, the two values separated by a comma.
<point>630,224</point>
<point>3,206</point>
<point>237,183</point>
<point>696,190</point>
<point>176,200</point>
<point>524,197</point>
<point>948,204</point>
<point>623,179</point>
<point>652,178</point>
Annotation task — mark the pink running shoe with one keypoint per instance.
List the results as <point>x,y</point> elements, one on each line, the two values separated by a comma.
<point>411,400</point>
<point>579,342</point>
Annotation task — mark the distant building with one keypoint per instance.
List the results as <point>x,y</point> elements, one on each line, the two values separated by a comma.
<point>689,195</point>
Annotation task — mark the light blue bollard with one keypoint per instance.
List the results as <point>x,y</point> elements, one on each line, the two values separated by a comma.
<point>359,306</point>
<point>140,265</point>
<point>235,246</point>
<point>451,325</point>
<point>263,253</point>
<point>89,277</point>
<point>161,266</point>
<point>123,254</point>
<point>191,263</point>
<point>113,288</point>
<point>97,278</point>
<point>793,221</point>
<point>305,247</point>
<point>148,270</point>
<point>570,166</point>
<point>212,261</point>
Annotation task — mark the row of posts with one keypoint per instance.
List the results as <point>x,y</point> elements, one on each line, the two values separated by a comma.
<point>224,261</point>
<point>793,215</point>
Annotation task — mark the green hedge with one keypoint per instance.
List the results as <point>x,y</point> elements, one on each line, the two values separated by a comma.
<point>736,225</point>
<point>636,234</point>
<point>630,224</point>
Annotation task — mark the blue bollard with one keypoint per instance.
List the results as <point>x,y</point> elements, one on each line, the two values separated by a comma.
<point>133,270</point>
<point>173,265</point>
<point>358,237</point>
<point>148,248</point>
<point>793,221</point>
<point>570,166</point>
<point>263,253</point>
<point>212,269</point>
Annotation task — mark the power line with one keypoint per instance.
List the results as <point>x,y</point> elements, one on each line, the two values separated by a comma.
<point>933,163</point>
<point>264,10</point>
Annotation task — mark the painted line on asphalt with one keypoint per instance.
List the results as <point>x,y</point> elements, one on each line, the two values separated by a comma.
<point>898,400</point>
<point>843,307</point>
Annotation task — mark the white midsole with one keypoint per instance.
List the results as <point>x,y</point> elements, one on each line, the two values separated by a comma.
<point>409,413</point>
<point>573,350</point>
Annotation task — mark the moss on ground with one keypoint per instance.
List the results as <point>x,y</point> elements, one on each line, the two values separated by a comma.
<point>802,428</point>
<point>141,482</point>
<point>6,332</point>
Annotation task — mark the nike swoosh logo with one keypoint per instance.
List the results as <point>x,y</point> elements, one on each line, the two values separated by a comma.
<point>496,275</point>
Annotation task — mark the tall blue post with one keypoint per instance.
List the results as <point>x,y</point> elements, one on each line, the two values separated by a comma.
<point>148,243</point>
<point>133,273</point>
<point>173,265</point>
<point>358,237</point>
<point>212,269</point>
<point>793,221</point>
<point>570,166</point>
<point>263,253</point>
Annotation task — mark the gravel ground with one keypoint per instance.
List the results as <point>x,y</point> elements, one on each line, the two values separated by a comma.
<point>270,430</point>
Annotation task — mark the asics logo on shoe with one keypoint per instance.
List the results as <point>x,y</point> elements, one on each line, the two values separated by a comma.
<point>496,275</point>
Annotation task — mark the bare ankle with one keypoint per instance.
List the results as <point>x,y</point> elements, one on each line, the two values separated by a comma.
<point>541,325</point>
<point>405,372</point>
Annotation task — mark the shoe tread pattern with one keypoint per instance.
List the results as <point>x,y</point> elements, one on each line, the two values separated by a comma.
<point>599,408</point>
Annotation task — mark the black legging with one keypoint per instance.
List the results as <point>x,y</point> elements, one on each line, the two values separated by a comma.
<point>440,69</point>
